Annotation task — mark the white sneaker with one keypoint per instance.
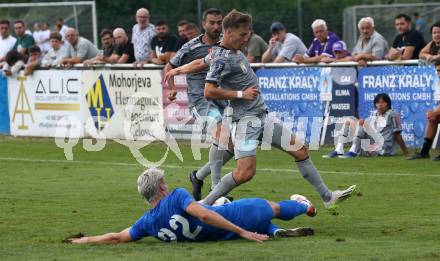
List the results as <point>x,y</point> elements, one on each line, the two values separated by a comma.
<point>338,196</point>
<point>311,210</point>
<point>294,232</point>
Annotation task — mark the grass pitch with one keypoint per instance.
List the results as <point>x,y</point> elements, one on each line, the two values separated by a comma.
<point>44,198</point>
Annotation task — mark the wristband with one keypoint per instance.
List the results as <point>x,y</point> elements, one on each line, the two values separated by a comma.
<point>239,94</point>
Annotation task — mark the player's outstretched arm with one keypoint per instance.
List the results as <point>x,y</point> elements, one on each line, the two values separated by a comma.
<point>213,92</point>
<point>192,67</point>
<point>214,219</point>
<point>109,238</point>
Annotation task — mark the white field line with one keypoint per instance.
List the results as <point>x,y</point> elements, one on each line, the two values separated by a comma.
<point>282,170</point>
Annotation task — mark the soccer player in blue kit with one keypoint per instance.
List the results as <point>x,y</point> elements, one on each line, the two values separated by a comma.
<point>176,216</point>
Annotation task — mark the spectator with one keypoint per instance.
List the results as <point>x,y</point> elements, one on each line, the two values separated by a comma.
<point>45,31</point>
<point>420,23</point>
<point>408,42</point>
<point>124,51</point>
<point>41,37</point>
<point>14,63</point>
<point>340,53</point>
<point>192,31</point>
<point>321,45</point>
<point>34,60</point>
<point>433,120</point>
<point>36,32</point>
<point>62,29</point>
<point>107,42</point>
<point>255,49</point>
<point>164,45</point>
<point>283,46</point>
<point>79,50</point>
<point>27,31</point>
<point>24,41</point>
<point>56,53</point>
<point>181,30</point>
<point>384,122</point>
<point>371,45</point>
<point>143,33</point>
<point>7,41</point>
<point>108,47</point>
<point>431,52</point>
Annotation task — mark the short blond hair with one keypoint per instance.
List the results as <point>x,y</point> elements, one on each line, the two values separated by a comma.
<point>149,183</point>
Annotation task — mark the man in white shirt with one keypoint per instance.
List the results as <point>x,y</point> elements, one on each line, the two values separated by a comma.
<point>45,37</point>
<point>143,33</point>
<point>56,53</point>
<point>38,35</point>
<point>283,46</point>
<point>62,29</point>
<point>7,41</point>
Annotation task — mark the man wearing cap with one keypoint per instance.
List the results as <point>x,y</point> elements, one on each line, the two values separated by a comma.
<point>340,53</point>
<point>176,216</point>
<point>282,46</point>
<point>321,45</point>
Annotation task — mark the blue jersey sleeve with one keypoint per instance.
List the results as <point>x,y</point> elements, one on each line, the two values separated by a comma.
<point>137,230</point>
<point>182,198</point>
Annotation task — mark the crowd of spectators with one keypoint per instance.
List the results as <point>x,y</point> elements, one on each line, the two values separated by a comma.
<point>153,43</point>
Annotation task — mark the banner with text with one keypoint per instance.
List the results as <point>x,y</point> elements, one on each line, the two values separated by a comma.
<point>411,89</point>
<point>46,104</point>
<point>177,116</point>
<point>296,96</point>
<point>123,104</point>
<point>344,100</point>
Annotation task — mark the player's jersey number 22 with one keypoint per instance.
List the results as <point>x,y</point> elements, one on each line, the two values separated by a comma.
<point>167,235</point>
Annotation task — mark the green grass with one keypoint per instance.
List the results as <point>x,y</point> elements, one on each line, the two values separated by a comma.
<point>395,216</point>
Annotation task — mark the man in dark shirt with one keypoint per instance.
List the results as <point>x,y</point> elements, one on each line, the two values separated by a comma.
<point>164,45</point>
<point>408,42</point>
<point>124,51</point>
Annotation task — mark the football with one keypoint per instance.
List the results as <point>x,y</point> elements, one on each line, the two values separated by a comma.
<point>221,201</point>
